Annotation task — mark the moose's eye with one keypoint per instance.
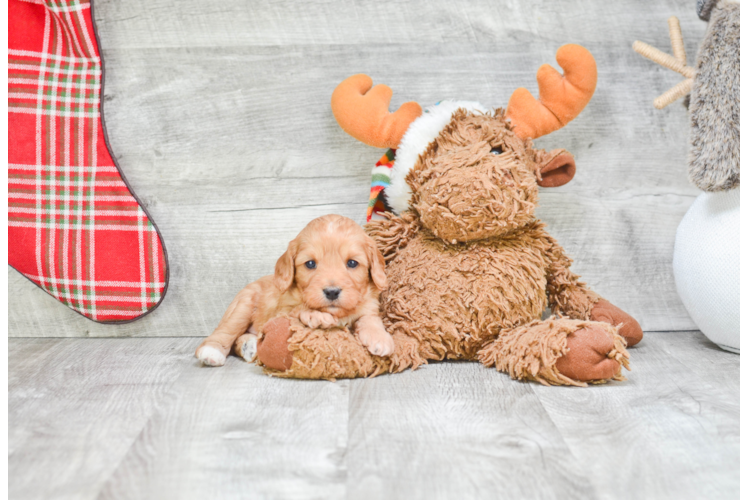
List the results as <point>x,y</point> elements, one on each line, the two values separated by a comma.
<point>352,264</point>
<point>310,264</point>
<point>497,150</point>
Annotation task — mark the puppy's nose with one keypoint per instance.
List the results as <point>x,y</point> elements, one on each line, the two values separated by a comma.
<point>332,293</point>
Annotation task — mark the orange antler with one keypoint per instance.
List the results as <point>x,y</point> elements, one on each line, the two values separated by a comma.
<point>562,97</point>
<point>363,112</point>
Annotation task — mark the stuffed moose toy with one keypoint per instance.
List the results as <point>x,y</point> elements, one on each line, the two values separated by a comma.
<point>469,268</point>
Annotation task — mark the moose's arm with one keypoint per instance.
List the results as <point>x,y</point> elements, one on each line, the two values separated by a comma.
<point>570,297</point>
<point>393,234</point>
<point>566,294</point>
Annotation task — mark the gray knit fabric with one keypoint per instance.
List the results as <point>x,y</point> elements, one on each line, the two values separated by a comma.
<point>714,158</point>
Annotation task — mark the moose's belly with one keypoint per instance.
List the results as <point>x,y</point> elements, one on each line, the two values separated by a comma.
<point>455,298</point>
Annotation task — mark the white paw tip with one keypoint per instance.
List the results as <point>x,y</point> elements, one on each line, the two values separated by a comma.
<point>249,349</point>
<point>211,356</point>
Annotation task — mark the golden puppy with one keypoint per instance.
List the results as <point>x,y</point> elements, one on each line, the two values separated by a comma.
<point>331,275</point>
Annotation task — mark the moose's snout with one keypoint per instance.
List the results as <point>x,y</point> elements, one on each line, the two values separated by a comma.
<point>332,293</point>
<point>484,200</point>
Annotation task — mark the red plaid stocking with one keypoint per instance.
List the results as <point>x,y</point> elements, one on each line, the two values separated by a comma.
<point>74,226</point>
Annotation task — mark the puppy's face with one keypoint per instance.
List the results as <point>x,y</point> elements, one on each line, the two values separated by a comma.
<point>334,264</point>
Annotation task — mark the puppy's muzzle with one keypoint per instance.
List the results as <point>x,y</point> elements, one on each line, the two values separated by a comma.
<point>332,293</point>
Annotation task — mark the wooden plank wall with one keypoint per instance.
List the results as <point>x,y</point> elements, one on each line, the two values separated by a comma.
<point>218,114</point>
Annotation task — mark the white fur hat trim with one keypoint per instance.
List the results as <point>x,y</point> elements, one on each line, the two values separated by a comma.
<point>419,135</point>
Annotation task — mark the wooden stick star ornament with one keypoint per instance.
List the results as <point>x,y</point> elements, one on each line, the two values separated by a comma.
<point>676,62</point>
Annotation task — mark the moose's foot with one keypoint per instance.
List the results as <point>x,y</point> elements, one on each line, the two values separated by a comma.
<point>558,351</point>
<point>608,313</point>
<point>272,348</point>
<point>594,353</point>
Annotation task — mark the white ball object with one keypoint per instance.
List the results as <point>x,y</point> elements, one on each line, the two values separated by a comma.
<point>706,265</point>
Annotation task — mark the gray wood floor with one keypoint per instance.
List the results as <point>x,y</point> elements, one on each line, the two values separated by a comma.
<point>137,418</point>
<point>219,115</point>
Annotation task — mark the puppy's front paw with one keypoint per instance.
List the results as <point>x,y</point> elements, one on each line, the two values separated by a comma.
<point>210,356</point>
<point>376,339</point>
<point>317,319</point>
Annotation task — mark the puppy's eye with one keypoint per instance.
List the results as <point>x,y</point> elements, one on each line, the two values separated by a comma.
<point>310,264</point>
<point>497,150</point>
<point>352,264</point>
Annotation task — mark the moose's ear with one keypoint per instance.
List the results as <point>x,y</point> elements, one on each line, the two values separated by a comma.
<point>556,168</point>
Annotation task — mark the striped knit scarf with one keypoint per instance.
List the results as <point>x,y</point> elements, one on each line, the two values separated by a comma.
<point>380,179</point>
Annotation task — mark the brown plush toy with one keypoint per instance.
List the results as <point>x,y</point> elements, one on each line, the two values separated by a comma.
<point>470,269</point>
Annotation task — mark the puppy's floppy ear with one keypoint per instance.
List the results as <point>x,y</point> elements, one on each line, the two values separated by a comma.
<point>555,168</point>
<point>285,268</point>
<point>376,264</point>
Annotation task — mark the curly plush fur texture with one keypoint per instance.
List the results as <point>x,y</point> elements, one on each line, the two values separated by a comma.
<point>337,354</point>
<point>454,298</point>
<point>415,141</point>
<point>714,158</point>
<point>530,352</point>
<point>704,8</point>
<point>463,192</point>
<point>468,264</point>
<point>470,272</point>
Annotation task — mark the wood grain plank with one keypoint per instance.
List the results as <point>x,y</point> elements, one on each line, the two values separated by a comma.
<point>703,357</point>
<point>207,270</point>
<point>233,432</point>
<point>158,23</point>
<point>137,418</point>
<point>227,136</point>
<point>456,430</point>
<point>214,252</point>
<point>671,431</point>
<point>75,406</point>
